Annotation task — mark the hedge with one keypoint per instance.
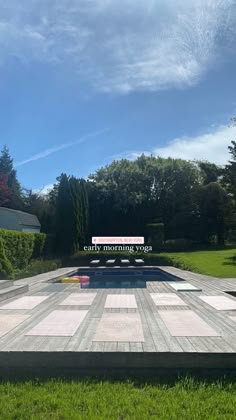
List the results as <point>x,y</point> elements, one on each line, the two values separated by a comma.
<point>156,234</point>
<point>6,269</point>
<point>39,244</point>
<point>21,247</point>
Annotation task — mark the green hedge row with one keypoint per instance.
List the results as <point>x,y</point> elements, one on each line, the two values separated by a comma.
<point>83,258</point>
<point>6,269</point>
<point>20,247</point>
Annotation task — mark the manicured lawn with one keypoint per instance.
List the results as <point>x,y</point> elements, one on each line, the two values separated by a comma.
<point>185,399</point>
<point>218,263</point>
<point>221,263</point>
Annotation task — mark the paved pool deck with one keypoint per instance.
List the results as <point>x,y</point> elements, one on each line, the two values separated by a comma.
<point>133,332</point>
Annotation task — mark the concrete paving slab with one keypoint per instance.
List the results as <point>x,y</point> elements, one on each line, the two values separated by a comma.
<point>55,287</point>
<point>186,324</point>
<point>121,301</point>
<point>167,299</point>
<point>59,324</point>
<point>120,327</point>
<point>25,302</point>
<point>221,303</point>
<point>181,286</point>
<point>9,322</point>
<point>80,299</point>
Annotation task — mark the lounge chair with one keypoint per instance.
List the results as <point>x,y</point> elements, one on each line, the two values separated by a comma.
<point>94,262</point>
<point>110,262</point>
<point>139,261</point>
<point>125,262</point>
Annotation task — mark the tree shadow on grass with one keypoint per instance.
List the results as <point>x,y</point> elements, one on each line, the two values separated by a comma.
<point>230,260</point>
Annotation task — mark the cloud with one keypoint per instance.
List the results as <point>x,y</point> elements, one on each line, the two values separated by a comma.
<point>211,146</point>
<point>120,46</point>
<point>44,190</point>
<point>56,149</point>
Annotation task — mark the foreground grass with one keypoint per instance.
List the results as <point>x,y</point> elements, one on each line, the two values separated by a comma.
<point>221,263</point>
<point>184,399</point>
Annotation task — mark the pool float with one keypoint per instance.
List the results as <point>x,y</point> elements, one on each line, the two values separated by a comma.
<point>70,280</point>
<point>85,280</point>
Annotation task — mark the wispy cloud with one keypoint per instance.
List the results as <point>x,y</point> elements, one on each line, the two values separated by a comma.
<point>56,149</point>
<point>120,46</point>
<point>44,190</point>
<point>211,146</point>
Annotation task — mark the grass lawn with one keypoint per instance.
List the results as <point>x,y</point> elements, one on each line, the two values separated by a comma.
<point>183,399</point>
<point>220,263</point>
<point>216,263</point>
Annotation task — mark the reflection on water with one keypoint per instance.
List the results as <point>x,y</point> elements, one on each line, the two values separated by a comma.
<point>101,283</point>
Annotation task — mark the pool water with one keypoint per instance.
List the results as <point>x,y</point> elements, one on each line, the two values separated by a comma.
<point>111,283</point>
<point>119,279</point>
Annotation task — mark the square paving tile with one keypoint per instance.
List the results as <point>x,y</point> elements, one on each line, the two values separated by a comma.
<point>186,324</point>
<point>80,299</point>
<point>120,327</point>
<point>183,286</point>
<point>221,303</point>
<point>167,299</point>
<point>233,318</point>
<point>25,302</point>
<point>121,301</point>
<point>9,322</point>
<point>59,324</point>
<point>55,287</point>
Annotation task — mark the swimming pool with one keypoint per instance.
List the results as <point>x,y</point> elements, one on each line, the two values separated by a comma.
<point>105,278</point>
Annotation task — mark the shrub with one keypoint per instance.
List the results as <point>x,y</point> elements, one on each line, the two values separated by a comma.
<point>156,234</point>
<point>37,267</point>
<point>178,245</point>
<point>39,244</point>
<point>20,247</point>
<point>50,245</point>
<point>6,269</point>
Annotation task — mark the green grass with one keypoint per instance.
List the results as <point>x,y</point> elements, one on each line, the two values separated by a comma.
<point>216,263</point>
<point>220,263</point>
<point>183,399</point>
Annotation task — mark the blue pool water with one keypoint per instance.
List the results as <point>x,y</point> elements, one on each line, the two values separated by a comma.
<point>120,278</point>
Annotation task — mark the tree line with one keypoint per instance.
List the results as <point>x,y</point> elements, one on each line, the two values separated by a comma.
<point>195,200</point>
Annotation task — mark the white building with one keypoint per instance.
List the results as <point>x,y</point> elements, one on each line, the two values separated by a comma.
<point>18,220</point>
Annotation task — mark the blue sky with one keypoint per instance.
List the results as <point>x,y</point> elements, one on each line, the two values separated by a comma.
<point>84,82</point>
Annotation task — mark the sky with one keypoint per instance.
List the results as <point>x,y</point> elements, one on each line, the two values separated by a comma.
<point>84,82</point>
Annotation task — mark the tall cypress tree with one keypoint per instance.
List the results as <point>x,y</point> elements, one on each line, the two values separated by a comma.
<point>84,211</point>
<point>77,217</point>
<point>64,211</point>
<point>71,214</point>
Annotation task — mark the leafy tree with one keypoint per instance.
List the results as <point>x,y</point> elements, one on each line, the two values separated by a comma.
<point>231,169</point>
<point>210,172</point>
<point>132,194</point>
<point>216,208</point>
<point>39,204</point>
<point>6,167</point>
